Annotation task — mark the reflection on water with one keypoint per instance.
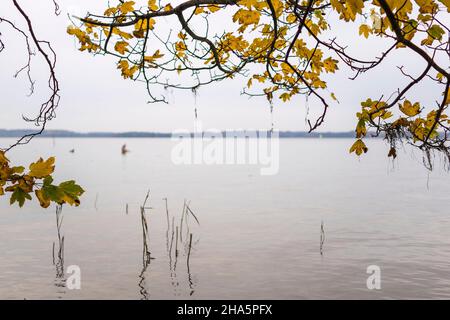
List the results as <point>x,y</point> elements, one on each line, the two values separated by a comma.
<point>177,233</point>
<point>322,238</point>
<point>58,255</point>
<point>186,244</point>
<point>142,284</point>
<point>191,282</point>
<point>146,254</point>
<point>262,237</point>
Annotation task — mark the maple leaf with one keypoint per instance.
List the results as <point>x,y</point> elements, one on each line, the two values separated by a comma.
<point>41,168</point>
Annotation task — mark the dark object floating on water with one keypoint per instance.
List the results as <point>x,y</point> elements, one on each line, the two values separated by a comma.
<point>124,149</point>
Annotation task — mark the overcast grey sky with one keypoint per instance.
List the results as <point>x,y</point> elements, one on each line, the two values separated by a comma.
<point>94,97</point>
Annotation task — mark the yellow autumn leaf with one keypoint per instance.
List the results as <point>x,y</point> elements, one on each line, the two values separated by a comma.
<point>180,46</point>
<point>127,72</point>
<point>354,7</point>
<point>199,10</point>
<point>277,77</point>
<point>446,3</point>
<point>386,115</point>
<point>348,9</point>
<point>359,147</point>
<point>3,159</point>
<point>365,30</point>
<point>330,65</point>
<point>121,47</point>
<point>285,97</point>
<point>246,18</point>
<point>361,129</point>
<point>248,3</point>
<point>152,58</point>
<point>141,25</point>
<point>127,7</point>
<point>152,5</point>
<point>110,11</point>
<point>43,200</point>
<point>69,200</point>
<point>122,34</point>
<point>291,18</point>
<point>41,168</point>
<point>213,8</point>
<point>410,109</point>
<point>158,54</point>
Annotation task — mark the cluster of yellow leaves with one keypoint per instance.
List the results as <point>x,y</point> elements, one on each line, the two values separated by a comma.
<point>371,111</point>
<point>126,7</point>
<point>348,9</point>
<point>246,18</point>
<point>121,12</point>
<point>127,71</point>
<point>207,9</point>
<point>420,127</point>
<point>415,17</point>
<point>84,38</point>
<point>180,49</point>
<point>39,179</point>
<point>254,40</point>
<point>141,27</point>
<point>230,45</point>
<point>411,15</point>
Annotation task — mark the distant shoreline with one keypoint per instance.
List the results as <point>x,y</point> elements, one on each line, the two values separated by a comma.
<point>17,133</point>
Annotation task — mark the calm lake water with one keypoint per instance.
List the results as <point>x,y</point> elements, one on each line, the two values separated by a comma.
<point>258,238</point>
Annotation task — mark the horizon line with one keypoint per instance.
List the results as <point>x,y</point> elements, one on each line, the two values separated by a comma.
<point>62,133</point>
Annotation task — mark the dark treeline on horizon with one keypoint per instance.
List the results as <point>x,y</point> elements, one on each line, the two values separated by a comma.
<point>15,133</point>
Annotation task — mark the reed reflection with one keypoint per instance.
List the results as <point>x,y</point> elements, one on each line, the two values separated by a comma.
<point>58,255</point>
<point>177,247</point>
